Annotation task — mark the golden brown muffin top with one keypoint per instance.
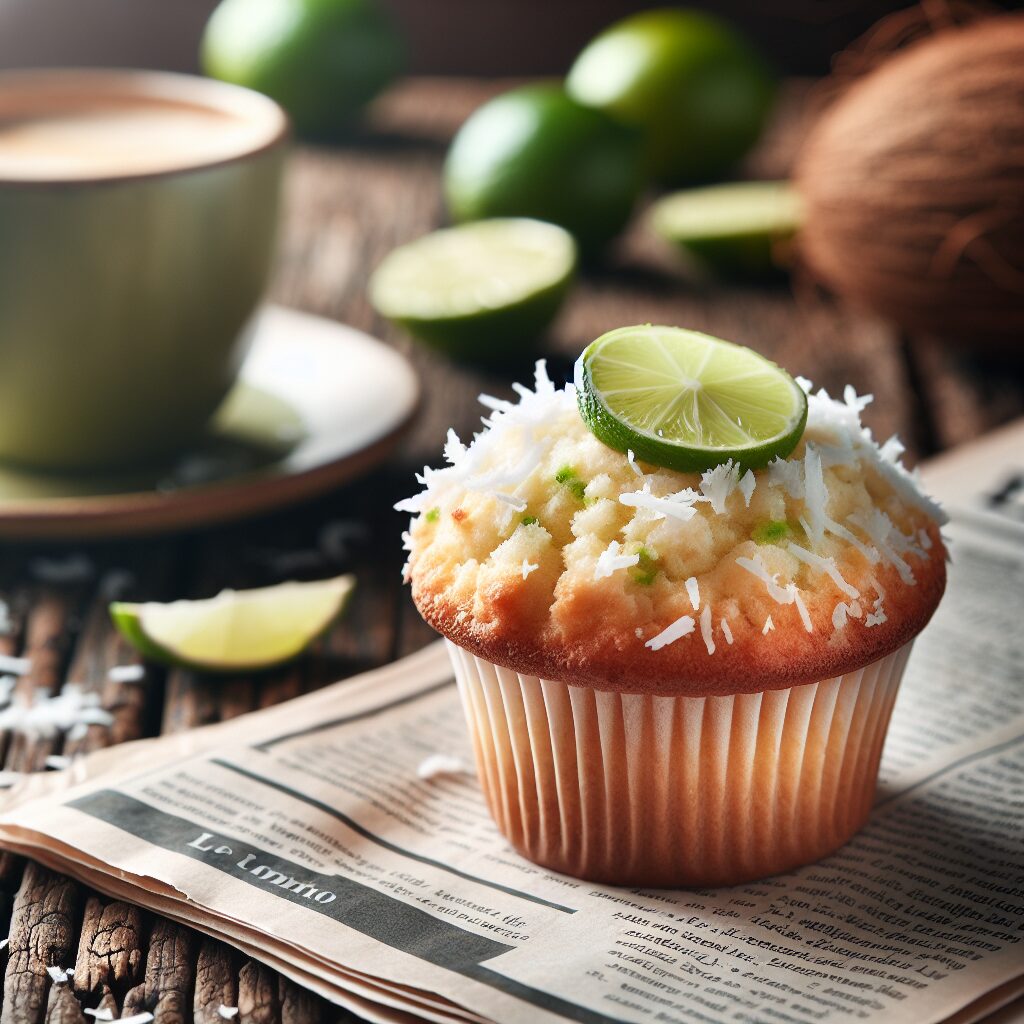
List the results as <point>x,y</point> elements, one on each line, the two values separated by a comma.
<point>540,549</point>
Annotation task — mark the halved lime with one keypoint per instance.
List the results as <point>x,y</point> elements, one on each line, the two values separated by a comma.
<point>482,289</point>
<point>237,629</point>
<point>738,228</point>
<point>687,401</point>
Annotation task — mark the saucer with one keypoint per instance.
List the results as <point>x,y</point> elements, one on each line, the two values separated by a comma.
<point>316,404</point>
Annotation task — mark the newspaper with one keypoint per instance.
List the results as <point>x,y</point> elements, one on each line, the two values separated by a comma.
<point>304,835</point>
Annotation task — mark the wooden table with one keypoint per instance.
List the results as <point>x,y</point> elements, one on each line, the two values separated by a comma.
<point>345,209</point>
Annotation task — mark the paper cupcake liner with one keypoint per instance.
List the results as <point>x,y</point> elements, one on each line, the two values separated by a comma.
<point>634,789</point>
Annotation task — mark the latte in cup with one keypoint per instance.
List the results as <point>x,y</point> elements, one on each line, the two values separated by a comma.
<point>139,213</point>
<point>101,136</point>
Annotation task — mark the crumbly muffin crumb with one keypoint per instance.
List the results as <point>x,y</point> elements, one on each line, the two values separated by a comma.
<point>538,530</point>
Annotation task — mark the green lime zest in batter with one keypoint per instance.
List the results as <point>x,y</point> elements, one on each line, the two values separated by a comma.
<point>771,531</point>
<point>529,520</point>
<point>432,515</point>
<point>569,479</point>
<point>646,570</point>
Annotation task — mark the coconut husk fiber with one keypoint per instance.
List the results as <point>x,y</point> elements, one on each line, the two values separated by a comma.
<point>913,185</point>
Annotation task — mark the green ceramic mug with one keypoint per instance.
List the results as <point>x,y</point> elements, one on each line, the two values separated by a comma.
<point>137,223</point>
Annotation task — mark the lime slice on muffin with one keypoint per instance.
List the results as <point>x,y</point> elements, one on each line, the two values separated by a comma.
<point>736,228</point>
<point>237,629</point>
<point>480,290</point>
<point>687,401</point>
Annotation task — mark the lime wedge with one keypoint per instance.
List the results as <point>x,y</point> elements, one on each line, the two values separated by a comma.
<point>483,289</point>
<point>237,629</point>
<point>739,228</point>
<point>687,401</point>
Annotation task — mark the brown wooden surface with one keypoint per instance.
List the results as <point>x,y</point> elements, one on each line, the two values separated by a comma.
<point>345,209</point>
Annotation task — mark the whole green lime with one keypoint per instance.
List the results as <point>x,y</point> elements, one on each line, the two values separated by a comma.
<point>536,152</point>
<point>698,91</point>
<point>322,60</point>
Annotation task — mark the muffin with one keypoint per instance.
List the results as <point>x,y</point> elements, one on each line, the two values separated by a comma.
<point>672,678</point>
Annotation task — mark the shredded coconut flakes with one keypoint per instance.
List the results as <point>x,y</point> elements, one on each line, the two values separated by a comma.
<point>528,567</point>
<point>612,560</point>
<point>826,565</point>
<point>437,765</point>
<point>780,595</point>
<point>705,629</point>
<point>768,625</point>
<point>727,631</point>
<point>674,506</point>
<point>519,437</point>
<point>126,674</point>
<point>693,592</point>
<point>801,608</point>
<point>842,611</point>
<point>746,485</point>
<point>15,666</point>
<point>683,626</point>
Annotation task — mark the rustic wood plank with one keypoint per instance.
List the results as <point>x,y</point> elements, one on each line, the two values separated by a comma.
<point>62,1007</point>
<point>216,982</point>
<point>44,924</point>
<point>300,1006</point>
<point>170,972</point>
<point>111,947</point>
<point>258,1000</point>
<point>107,1005</point>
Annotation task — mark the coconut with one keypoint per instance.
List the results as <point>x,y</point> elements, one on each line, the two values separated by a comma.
<point>913,185</point>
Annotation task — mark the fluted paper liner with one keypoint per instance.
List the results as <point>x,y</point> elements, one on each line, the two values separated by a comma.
<point>634,789</point>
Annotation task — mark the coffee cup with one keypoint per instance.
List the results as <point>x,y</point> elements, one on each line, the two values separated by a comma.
<point>137,224</point>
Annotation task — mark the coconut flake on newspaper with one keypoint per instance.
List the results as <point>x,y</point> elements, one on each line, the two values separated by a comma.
<point>613,560</point>
<point>436,766</point>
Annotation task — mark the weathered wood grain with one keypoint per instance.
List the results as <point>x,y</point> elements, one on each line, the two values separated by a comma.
<point>44,925</point>
<point>258,998</point>
<point>111,947</point>
<point>170,972</point>
<point>216,982</point>
<point>62,1007</point>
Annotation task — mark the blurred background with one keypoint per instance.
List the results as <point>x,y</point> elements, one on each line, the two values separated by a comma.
<point>464,37</point>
